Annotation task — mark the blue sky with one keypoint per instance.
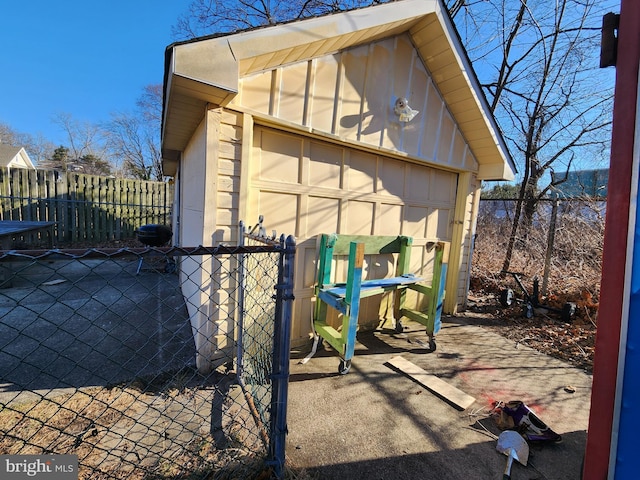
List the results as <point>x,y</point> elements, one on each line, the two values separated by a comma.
<point>85,58</point>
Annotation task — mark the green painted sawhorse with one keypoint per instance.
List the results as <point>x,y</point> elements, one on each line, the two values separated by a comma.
<point>345,297</point>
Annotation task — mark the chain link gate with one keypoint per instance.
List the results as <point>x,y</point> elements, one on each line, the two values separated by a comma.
<point>97,359</point>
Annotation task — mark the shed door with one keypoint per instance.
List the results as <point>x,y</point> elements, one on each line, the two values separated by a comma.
<point>305,187</point>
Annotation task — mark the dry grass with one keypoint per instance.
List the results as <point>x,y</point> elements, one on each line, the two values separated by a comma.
<point>575,265</point>
<point>94,423</point>
<point>62,423</point>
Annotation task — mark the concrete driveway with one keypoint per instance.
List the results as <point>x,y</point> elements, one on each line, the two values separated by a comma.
<point>73,324</point>
<point>377,423</point>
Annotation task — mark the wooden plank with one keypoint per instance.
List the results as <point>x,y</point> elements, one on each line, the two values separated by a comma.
<point>421,288</point>
<point>15,194</point>
<point>416,316</point>
<point>25,196</point>
<point>4,193</point>
<point>336,302</point>
<point>77,212</point>
<point>103,214</point>
<point>43,197</point>
<point>447,392</point>
<point>118,190</point>
<point>81,202</point>
<point>376,286</point>
<point>112,200</point>
<point>90,199</point>
<point>32,204</point>
<point>372,244</point>
<point>331,335</point>
<point>61,195</point>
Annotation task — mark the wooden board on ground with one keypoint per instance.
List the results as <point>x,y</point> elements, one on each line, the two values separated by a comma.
<point>451,394</point>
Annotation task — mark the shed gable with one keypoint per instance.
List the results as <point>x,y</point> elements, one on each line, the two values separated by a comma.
<point>14,157</point>
<point>351,95</point>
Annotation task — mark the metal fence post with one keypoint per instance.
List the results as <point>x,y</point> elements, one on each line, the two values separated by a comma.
<point>550,241</point>
<point>241,288</point>
<point>281,349</point>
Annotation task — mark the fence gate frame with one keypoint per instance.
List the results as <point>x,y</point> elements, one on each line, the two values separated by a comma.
<point>281,339</point>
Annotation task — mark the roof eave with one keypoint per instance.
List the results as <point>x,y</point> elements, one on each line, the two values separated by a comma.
<point>191,83</point>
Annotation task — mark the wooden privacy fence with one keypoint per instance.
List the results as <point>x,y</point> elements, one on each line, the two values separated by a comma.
<point>86,208</point>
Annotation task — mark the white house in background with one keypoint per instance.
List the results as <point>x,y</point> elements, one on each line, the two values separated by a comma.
<point>14,157</point>
<point>367,122</point>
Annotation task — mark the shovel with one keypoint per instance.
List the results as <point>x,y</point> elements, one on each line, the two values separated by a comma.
<point>515,447</point>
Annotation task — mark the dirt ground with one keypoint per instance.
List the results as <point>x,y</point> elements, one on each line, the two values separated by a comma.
<point>572,267</point>
<point>545,331</point>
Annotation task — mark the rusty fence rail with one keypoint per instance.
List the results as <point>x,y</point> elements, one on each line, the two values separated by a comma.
<point>98,359</point>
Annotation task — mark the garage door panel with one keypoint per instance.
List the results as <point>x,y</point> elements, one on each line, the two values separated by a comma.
<point>307,187</point>
<point>392,178</point>
<point>361,173</point>
<point>325,165</point>
<point>322,215</point>
<point>439,224</point>
<point>422,259</point>
<point>418,183</point>
<point>416,222</point>
<point>280,157</point>
<point>376,308</point>
<point>359,219</point>
<point>379,266</point>
<point>280,211</point>
<point>442,188</point>
<point>389,220</point>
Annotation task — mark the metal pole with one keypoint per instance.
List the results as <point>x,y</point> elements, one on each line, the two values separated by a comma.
<point>241,288</point>
<point>550,241</point>
<point>281,342</point>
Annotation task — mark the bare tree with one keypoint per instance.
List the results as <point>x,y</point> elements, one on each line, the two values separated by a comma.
<point>84,138</point>
<point>539,69</point>
<point>150,104</point>
<point>38,148</point>
<point>8,135</point>
<point>134,138</point>
<point>206,17</point>
<point>85,149</point>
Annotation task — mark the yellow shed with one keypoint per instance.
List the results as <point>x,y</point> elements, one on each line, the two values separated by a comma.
<point>368,122</point>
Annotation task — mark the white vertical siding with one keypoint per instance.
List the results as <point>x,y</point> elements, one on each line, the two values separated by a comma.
<point>352,94</point>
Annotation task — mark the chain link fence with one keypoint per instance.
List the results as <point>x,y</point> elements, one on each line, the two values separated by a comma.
<point>97,359</point>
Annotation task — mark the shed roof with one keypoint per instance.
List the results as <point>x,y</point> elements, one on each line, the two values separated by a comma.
<point>208,70</point>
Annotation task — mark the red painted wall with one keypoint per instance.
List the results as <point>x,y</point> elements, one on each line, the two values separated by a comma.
<point>615,245</point>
